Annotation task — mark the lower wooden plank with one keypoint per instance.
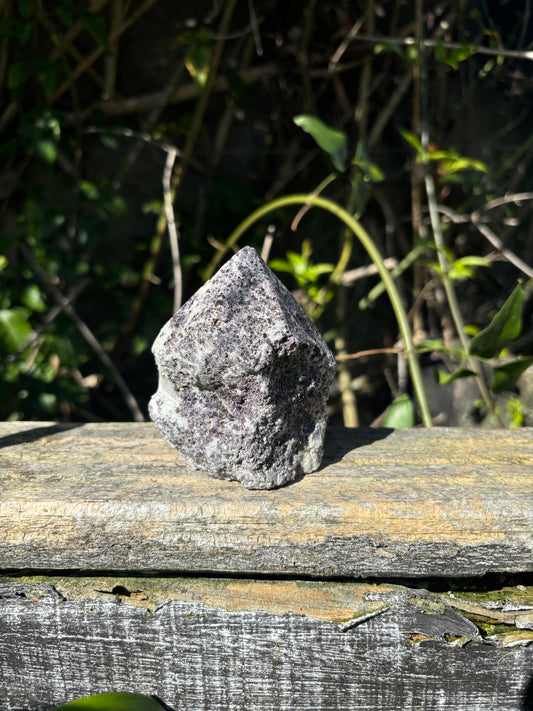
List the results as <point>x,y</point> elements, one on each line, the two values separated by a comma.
<point>230,646</point>
<point>404,503</point>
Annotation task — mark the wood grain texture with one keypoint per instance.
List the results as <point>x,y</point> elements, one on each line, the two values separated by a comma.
<point>407,503</point>
<point>257,646</point>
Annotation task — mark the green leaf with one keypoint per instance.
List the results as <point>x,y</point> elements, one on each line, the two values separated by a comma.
<point>14,329</point>
<point>198,63</point>
<point>401,413</point>
<point>315,270</point>
<point>462,268</point>
<point>109,141</point>
<point>33,299</point>
<point>474,261</point>
<point>413,141</point>
<point>503,329</point>
<point>18,74</point>
<point>332,141</point>
<point>460,163</point>
<point>90,189</point>
<point>372,172</point>
<point>118,701</point>
<point>445,378</point>
<point>42,134</point>
<point>506,375</point>
<point>46,150</point>
<point>280,265</point>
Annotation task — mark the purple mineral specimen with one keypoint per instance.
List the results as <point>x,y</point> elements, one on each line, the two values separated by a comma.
<point>244,378</point>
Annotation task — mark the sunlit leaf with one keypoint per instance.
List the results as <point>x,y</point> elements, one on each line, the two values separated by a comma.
<point>198,62</point>
<point>332,141</point>
<point>462,268</point>
<point>117,701</point>
<point>401,413</point>
<point>47,150</point>
<point>456,165</point>
<point>412,140</point>
<point>371,171</point>
<point>14,329</point>
<point>506,375</point>
<point>504,328</point>
<point>32,298</point>
<point>280,265</point>
<point>445,378</point>
<point>315,270</point>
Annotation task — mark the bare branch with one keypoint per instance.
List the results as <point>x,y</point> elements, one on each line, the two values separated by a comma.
<point>172,229</point>
<point>487,232</point>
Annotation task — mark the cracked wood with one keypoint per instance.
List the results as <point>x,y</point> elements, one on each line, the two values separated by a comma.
<point>227,645</point>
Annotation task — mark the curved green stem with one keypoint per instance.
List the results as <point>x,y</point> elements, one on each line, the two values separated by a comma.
<point>365,239</point>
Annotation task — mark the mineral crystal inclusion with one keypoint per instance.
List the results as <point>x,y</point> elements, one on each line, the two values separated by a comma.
<point>244,378</point>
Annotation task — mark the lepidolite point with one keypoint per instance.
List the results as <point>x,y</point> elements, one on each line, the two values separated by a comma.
<point>244,378</point>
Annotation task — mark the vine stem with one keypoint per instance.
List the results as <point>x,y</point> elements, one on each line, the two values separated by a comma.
<point>364,238</point>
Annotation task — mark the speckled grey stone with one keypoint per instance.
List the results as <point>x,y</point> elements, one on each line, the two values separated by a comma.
<point>244,378</point>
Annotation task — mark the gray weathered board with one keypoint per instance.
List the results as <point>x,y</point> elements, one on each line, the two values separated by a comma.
<point>122,570</point>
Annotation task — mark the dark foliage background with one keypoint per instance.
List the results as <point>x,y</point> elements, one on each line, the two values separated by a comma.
<point>107,106</point>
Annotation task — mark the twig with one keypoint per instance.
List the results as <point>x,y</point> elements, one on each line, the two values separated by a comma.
<point>85,332</point>
<point>52,314</point>
<point>129,133</point>
<point>349,404</point>
<point>475,49</point>
<point>91,59</point>
<point>182,94</point>
<point>255,28</point>
<point>496,242</point>
<point>506,199</point>
<point>267,243</point>
<point>317,191</point>
<point>341,49</point>
<point>362,107</point>
<point>405,263</point>
<point>112,55</point>
<point>488,233</point>
<point>371,352</point>
<point>63,48</point>
<point>350,277</point>
<point>172,229</point>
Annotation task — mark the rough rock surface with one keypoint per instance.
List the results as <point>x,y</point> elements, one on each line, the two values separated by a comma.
<point>244,378</point>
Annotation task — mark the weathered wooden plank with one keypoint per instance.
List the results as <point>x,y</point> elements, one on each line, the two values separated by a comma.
<point>115,497</point>
<point>227,645</point>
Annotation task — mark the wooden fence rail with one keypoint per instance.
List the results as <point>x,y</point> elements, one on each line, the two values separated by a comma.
<point>399,576</point>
